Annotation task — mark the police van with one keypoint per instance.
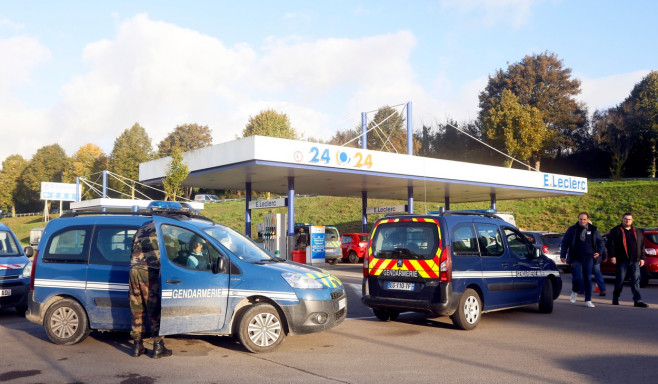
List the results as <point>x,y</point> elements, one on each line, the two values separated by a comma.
<point>457,264</point>
<point>80,281</point>
<point>15,269</point>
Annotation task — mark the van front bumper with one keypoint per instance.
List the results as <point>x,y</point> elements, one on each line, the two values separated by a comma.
<point>315,315</point>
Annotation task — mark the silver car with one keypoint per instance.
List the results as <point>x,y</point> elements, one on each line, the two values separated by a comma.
<point>549,243</point>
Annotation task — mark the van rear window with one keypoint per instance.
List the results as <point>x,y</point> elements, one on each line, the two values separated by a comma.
<point>405,240</point>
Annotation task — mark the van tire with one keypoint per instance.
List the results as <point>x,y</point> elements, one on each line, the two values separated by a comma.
<point>546,297</point>
<point>261,328</point>
<point>469,310</point>
<point>353,257</point>
<point>66,322</point>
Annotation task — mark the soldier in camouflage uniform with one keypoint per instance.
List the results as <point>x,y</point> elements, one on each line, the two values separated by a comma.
<point>145,295</point>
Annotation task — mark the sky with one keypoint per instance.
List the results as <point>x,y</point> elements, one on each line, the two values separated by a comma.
<point>78,72</point>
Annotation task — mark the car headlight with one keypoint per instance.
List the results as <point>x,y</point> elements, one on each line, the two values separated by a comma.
<point>27,270</point>
<point>297,280</point>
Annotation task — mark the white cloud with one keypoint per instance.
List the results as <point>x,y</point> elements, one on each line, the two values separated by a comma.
<point>488,12</point>
<point>606,92</point>
<point>20,55</point>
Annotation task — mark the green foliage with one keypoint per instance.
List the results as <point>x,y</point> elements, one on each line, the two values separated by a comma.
<point>176,172</point>
<point>131,148</point>
<point>614,133</point>
<point>10,177</point>
<point>540,81</point>
<point>519,129</point>
<point>643,101</point>
<point>88,159</point>
<point>47,165</point>
<point>185,137</point>
<point>270,123</point>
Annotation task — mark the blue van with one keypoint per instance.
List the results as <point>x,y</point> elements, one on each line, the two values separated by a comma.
<point>457,264</point>
<point>80,282</point>
<point>15,268</point>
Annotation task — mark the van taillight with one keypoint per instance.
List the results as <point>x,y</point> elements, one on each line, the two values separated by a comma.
<point>365,266</point>
<point>445,266</point>
<point>34,268</point>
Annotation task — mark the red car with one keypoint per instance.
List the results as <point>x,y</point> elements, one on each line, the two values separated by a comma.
<point>650,269</point>
<point>354,246</point>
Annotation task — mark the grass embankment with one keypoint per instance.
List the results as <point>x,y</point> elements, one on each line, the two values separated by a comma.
<point>605,201</point>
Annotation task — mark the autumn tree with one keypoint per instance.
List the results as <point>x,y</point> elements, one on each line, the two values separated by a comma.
<point>185,137</point>
<point>541,81</point>
<point>643,104</point>
<point>270,123</point>
<point>87,160</point>
<point>10,177</point>
<point>176,172</point>
<point>517,128</point>
<point>612,131</point>
<point>130,149</point>
<point>47,164</point>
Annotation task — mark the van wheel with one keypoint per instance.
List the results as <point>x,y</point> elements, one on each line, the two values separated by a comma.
<point>468,311</point>
<point>546,297</point>
<point>261,329</point>
<point>332,261</point>
<point>353,257</point>
<point>66,322</point>
<point>386,315</point>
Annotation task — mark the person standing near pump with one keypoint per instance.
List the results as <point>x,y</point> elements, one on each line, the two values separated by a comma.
<point>144,290</point>
<point>581,245</point>
<point>626,246</point>
<point>302,240</point>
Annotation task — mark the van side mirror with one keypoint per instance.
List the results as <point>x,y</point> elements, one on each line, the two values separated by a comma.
<point>218,265</point>
<point>29,251</point>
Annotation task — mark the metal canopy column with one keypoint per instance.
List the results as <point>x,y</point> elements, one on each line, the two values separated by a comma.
<point>410,199</point>
<point>447,197</point>
<point>410,136</point>
<point>493,200</point>
<point>364,131</point>
<point>291,216</point>
<point>247,210</point>
<point>364,207</point>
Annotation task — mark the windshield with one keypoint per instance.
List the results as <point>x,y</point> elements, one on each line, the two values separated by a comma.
<point>330,234</point>
<point>8,246</point>
<point>405,240</point>
<point>243,247</point>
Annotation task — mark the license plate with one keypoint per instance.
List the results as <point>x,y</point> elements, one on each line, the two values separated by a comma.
<point>5,292</point>
<point>341,303</point>
<point>400,286</point>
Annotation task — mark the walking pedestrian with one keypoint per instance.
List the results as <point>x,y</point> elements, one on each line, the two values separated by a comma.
<point>581,245</point>
<point>144,290</point>
<point>626,246</point>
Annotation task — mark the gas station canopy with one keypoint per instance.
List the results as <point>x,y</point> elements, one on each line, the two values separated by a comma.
<point>269,164</point>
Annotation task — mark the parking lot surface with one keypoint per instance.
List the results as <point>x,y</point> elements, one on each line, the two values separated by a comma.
<point>574,344</point>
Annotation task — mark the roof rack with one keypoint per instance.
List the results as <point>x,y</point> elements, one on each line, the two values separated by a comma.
<point>470,213</point>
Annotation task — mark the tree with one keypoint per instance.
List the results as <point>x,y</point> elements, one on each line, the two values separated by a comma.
<point>519,129</point>
<point>87,160</point>
<point>185,137</point>
<point>47,164</point>
<point>643,102</point>
<point>387,132</point>
<point>270,123</point>
<point>540,81</point>
<point>130,149</point>
<point>10,177</point>
<point>176,172</point>
<point>612,131</point>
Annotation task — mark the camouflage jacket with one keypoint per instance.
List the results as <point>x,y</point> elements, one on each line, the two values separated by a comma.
<point>145,252</point>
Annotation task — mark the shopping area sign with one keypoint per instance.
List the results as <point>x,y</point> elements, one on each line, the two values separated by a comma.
<point>58,191</point>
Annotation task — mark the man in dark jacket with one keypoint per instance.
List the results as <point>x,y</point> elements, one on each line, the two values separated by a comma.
<point>626,248</point>
<point>581,245</point>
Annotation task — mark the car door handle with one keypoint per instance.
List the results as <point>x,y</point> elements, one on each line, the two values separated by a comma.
<point>504,265</point>
<point>174,281</point>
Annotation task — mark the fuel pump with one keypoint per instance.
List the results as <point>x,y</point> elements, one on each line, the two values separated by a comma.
<point>273,232</point>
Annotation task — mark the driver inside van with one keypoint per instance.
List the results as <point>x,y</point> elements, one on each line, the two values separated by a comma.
<point>198,256</point>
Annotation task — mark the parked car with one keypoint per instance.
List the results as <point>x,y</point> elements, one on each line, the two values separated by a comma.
<point>650,268</point>
<point>15,269</point>
<point>80,281</point>
<point>549,243</point>
<point>332,250</point>
<point>456,264</point>
<point>354,246</point>
<point>201,198</point>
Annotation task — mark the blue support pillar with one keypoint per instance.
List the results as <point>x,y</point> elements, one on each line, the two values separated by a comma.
<point>364,215</point>
<point>410,134</point>
<point>104,184</point>
<point>247,210</point>
<point>364,131</point>
<point>291,206</point>
<point>493,200</point>
<point>410,199</point>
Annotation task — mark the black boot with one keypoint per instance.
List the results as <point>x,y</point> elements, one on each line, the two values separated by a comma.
<point>159,350</point>
<point>138,347</point>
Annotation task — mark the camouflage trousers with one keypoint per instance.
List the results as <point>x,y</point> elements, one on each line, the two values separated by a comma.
<point>144,290</point>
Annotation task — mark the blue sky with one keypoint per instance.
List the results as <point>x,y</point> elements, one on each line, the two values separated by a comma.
<point>73,72</point>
